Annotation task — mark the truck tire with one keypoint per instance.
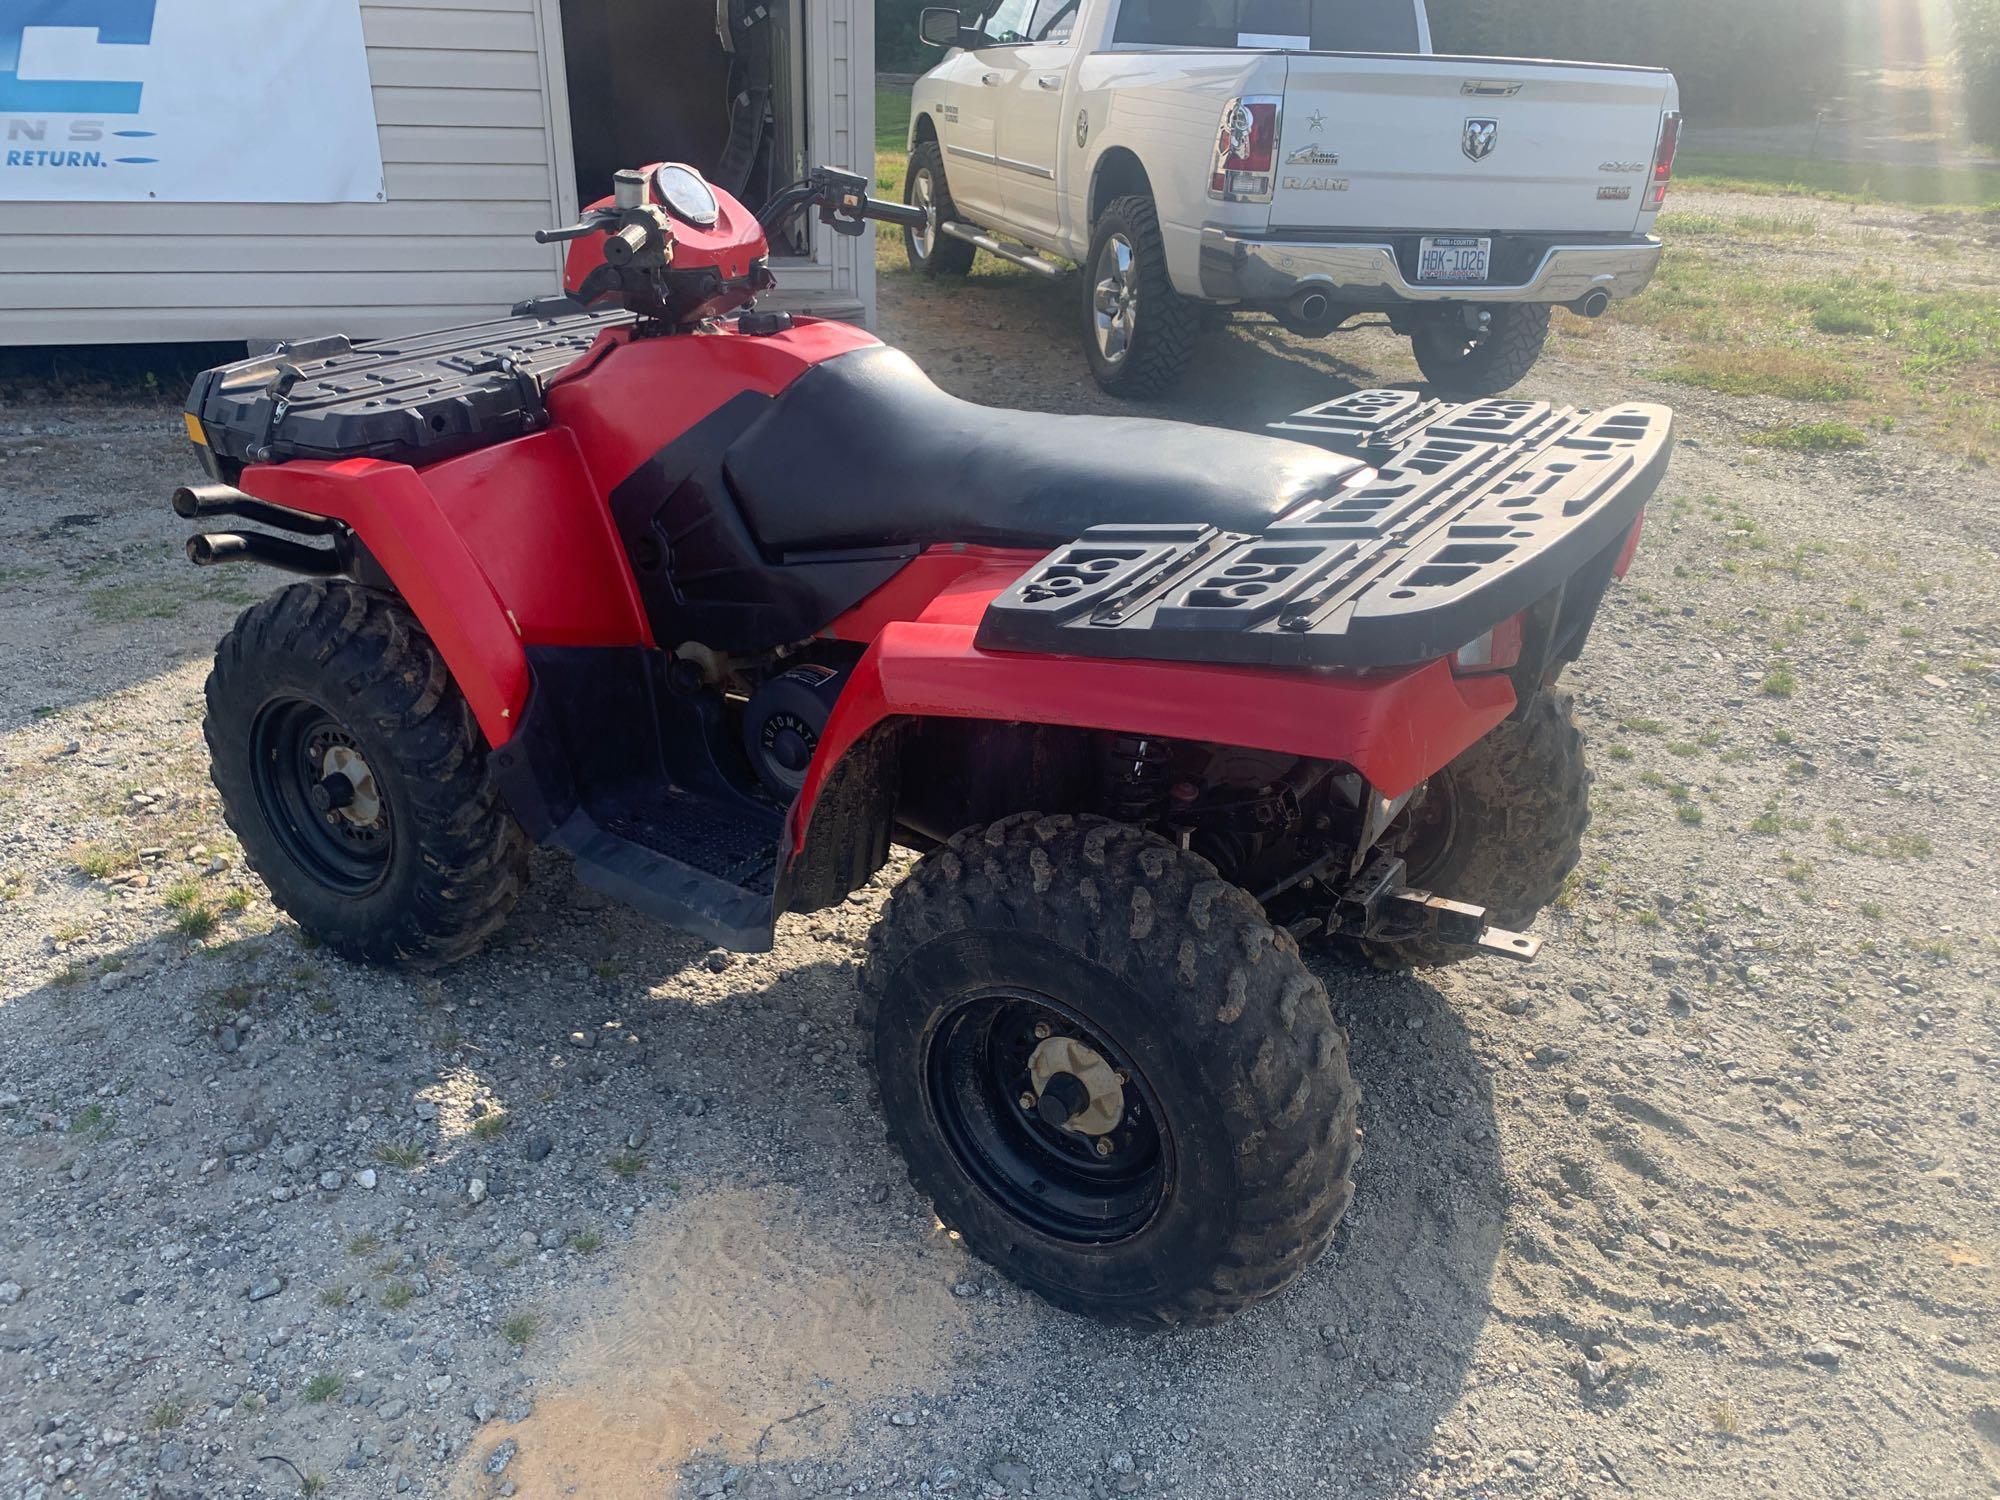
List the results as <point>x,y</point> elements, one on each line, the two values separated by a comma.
<point>932,254</point>
<point>1463,366</point>
<point>1138,332</point>
<point>1050,970</point>
<point>1501,827</point>
<point>353,774</point>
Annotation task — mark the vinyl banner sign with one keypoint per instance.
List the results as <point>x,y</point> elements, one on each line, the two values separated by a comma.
<point>186,101</point>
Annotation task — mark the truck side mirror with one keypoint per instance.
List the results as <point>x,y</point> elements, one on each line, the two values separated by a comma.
<point>939,26</point>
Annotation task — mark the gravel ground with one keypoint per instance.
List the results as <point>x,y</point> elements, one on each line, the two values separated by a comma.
<point>1702,1203</point>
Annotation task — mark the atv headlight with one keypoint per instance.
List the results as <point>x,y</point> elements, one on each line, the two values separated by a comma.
<point>686,195</point>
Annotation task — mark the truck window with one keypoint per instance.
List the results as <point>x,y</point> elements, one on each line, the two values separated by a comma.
<point>1009,21</point>
<point>1322,25</point>
<point>1364,26</point>
<point>1053,20</point>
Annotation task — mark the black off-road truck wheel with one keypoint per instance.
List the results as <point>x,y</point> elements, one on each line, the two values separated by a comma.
<point>1501,826</point>
<point>1109,1073</point>
<point>931,252</point>
<point>1466,366</point>
<point>353,774</point>
<point>1138,332</point>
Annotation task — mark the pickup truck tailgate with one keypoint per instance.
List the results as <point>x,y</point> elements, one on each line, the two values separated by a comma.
<point>1468,143</point>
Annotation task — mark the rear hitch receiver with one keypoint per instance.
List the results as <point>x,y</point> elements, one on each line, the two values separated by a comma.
<point>1378,907</point>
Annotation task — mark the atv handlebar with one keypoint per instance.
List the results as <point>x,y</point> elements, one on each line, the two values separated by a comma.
<point>843,203</point>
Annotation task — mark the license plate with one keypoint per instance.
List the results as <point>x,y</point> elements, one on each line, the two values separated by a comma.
<point>1453,257</point>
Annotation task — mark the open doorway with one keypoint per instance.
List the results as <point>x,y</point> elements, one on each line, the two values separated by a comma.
<point>720,86</point>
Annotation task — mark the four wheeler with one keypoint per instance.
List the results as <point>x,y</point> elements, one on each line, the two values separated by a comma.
<point>724,603</point>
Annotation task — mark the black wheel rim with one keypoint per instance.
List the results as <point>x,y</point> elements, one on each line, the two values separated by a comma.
<point>346,849</point>
<point>1060,1182</point>
<point>1433,829</point>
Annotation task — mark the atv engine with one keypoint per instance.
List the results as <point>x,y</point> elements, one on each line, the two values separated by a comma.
<point>783,722</point>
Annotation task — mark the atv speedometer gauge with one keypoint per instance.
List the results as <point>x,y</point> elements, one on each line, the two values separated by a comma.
<point>683,191</point>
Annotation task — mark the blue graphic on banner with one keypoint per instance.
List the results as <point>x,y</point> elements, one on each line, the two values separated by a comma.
<point>116,22</point>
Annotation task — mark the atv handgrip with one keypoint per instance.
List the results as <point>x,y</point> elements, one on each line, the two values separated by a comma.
<point>621,248</point>
<point>567,232</point>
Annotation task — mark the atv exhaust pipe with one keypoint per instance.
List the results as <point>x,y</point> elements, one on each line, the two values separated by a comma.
<point>193,502</point>
<point>1595,305</point>
<point>214,548</point>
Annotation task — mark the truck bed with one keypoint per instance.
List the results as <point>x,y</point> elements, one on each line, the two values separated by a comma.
<point>1470,515</point>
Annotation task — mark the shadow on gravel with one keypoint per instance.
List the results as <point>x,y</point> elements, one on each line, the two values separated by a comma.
<point>763,1255</point>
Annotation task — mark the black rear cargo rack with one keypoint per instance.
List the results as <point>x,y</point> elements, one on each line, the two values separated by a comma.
<point>414,400</point>
<point>1470,515</point>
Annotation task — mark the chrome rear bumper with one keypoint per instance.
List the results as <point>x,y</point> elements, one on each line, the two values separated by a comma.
<point>1252,269</point>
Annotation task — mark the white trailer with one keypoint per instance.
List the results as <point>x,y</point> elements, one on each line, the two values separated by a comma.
<point>494,118</point>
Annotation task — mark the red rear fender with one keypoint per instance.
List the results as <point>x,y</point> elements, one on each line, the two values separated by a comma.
<point>1394,728</point>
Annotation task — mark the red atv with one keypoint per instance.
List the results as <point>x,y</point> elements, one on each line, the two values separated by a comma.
<point>725,602</point>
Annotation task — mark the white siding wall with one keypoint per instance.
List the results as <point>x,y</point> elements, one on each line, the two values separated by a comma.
<point>465,95</point>
<point>462,99</point>
<point>839,280</point>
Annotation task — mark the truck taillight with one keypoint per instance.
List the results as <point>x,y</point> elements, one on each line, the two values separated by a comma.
<point>1246,150</point>
<point>1499,650</point>
<point>1663,159</point>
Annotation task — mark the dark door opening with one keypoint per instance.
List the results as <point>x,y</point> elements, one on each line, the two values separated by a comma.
<point>652,81</point>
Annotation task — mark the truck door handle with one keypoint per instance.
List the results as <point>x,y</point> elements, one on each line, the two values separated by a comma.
<point>1049,81</point>
<point>989,79</point>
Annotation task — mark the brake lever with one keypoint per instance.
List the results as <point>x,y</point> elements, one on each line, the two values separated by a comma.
<point>576,231</point>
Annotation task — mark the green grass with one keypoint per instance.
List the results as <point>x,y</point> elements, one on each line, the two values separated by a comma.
<point>98,863</point>
<point>1766,174</point>
<point>398,1295</point>
<point>1895,846</point>
<point>395,1154</point>
<point>892,134</point>
<point>1836,319</point>
<point>1779,682</point>
<point>519,1330</point>
<point>628,1163</point>
<point>1811,437</point>
<point>1745,324</point>
<point>586,1241</point>
<point>196,921</point>
<point>183,895</point>
<point>1787,373</point>
<point>168,1415</point>
<point>322,1387</point>
<point>488,1126</point>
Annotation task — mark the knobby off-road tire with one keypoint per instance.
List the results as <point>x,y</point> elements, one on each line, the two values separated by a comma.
<point>323,663</point>
<point>1502,826</point>
<point>945,256</point>
<point>1219,1025</point>
<point>1463,368</point>
<point>1163,324</point>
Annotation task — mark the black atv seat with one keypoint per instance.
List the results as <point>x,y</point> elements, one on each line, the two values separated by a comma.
<point>864,451</point>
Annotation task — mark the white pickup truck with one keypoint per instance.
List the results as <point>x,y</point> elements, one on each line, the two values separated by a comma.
<point>1308,159</point>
